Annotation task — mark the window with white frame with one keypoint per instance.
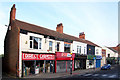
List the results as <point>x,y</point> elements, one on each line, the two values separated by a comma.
<point>67,47</point>
<point>35,42</point>
<point>50,45</point>
<point>58,46</point>
<point>84,50</point>
<point>97,51</point>
<point>79,49</point>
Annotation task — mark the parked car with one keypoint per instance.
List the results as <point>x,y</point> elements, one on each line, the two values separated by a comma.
<point>106,66</point>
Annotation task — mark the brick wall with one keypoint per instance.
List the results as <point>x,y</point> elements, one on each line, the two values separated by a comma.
<point>59,28</point>
<point>11,49</point>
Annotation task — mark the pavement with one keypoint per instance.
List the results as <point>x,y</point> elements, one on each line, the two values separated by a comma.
<point>53,75</point>
<point>62,74</point>
<point>83,74</point>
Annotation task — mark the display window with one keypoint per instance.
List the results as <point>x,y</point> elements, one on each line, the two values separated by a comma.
<point>91,62</point>
<point>28,68</point>
<point>37,67</point>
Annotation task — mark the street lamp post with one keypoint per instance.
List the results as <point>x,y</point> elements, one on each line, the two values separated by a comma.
<point>71,65</point>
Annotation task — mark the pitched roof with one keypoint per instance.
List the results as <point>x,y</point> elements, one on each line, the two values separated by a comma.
<point>118,45</point>
<point>113,49</point>
<point>45,31</point>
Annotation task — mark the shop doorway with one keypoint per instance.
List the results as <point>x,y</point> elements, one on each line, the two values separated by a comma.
<point>28,68</point>
<point>49,66</point>
<point>84,63</point>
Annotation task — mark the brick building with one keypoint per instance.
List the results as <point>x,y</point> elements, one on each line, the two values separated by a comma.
<point>32,49</point>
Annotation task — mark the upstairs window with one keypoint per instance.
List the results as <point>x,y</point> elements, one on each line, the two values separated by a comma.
<point>78,49</point>
<point>50,45</point>
<point>39,41</point>
<point>66,47</point>
<point>84,50</point>
<point>35,42</point>
<point>96,51</point>
<point>31,42</point>
<point>58,46</point>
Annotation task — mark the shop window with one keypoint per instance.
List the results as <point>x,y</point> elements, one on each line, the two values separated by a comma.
<point>66,47</point>
<point>50,45</point>
<point>58,46</point>
<point>91,62</point>
<point>35,43</point>
<point>79,49</point>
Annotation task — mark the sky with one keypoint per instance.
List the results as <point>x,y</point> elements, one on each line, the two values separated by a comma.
<point>97,19</point>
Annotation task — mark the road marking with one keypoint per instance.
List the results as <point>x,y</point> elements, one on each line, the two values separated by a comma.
<point>104,75</point>
<point>95,75</point>
<point>113,76</point>
<point>87,74</point>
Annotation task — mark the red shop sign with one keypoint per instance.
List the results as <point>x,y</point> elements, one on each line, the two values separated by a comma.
<point>27,56</point>
<point>65,55</point>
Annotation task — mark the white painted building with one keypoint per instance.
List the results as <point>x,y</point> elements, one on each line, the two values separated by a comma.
<point>98,51</point>
<point>111,55</point>
<point>110,52</point>
<point>79,45</point>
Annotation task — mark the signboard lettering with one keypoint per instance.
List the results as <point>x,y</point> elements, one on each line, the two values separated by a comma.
<point>26,56</point>
<point>66,55</point>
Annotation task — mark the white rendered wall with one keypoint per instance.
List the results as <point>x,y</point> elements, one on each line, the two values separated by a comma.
<point>99,51</point>
<point>83,45</point>
<point>108,51</point>
<point>61,46</point>
<point>25,44</point>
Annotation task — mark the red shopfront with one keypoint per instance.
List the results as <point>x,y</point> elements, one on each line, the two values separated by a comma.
<point>62,62</point>
<point>37,63</point>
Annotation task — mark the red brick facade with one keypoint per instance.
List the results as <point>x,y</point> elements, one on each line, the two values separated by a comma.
<point>11,46</point>
<point>82,35</point>
<point>59,28</point>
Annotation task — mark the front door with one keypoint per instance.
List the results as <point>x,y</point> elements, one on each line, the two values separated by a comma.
<point>98,63</point>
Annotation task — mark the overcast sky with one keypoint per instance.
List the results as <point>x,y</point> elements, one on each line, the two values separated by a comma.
<point>98,20</point>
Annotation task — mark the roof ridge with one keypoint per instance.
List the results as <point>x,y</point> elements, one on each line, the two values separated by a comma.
<point>52,32</point>
<point>33,24</point>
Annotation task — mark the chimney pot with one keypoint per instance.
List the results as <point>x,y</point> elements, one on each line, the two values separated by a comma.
<point>82,35</point>
<point>59,28</point>
<point>12,13</point>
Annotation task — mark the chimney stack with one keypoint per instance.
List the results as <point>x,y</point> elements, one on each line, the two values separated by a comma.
<point>12,13</point>
<point>59,28</point>
<point>82,35</point>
